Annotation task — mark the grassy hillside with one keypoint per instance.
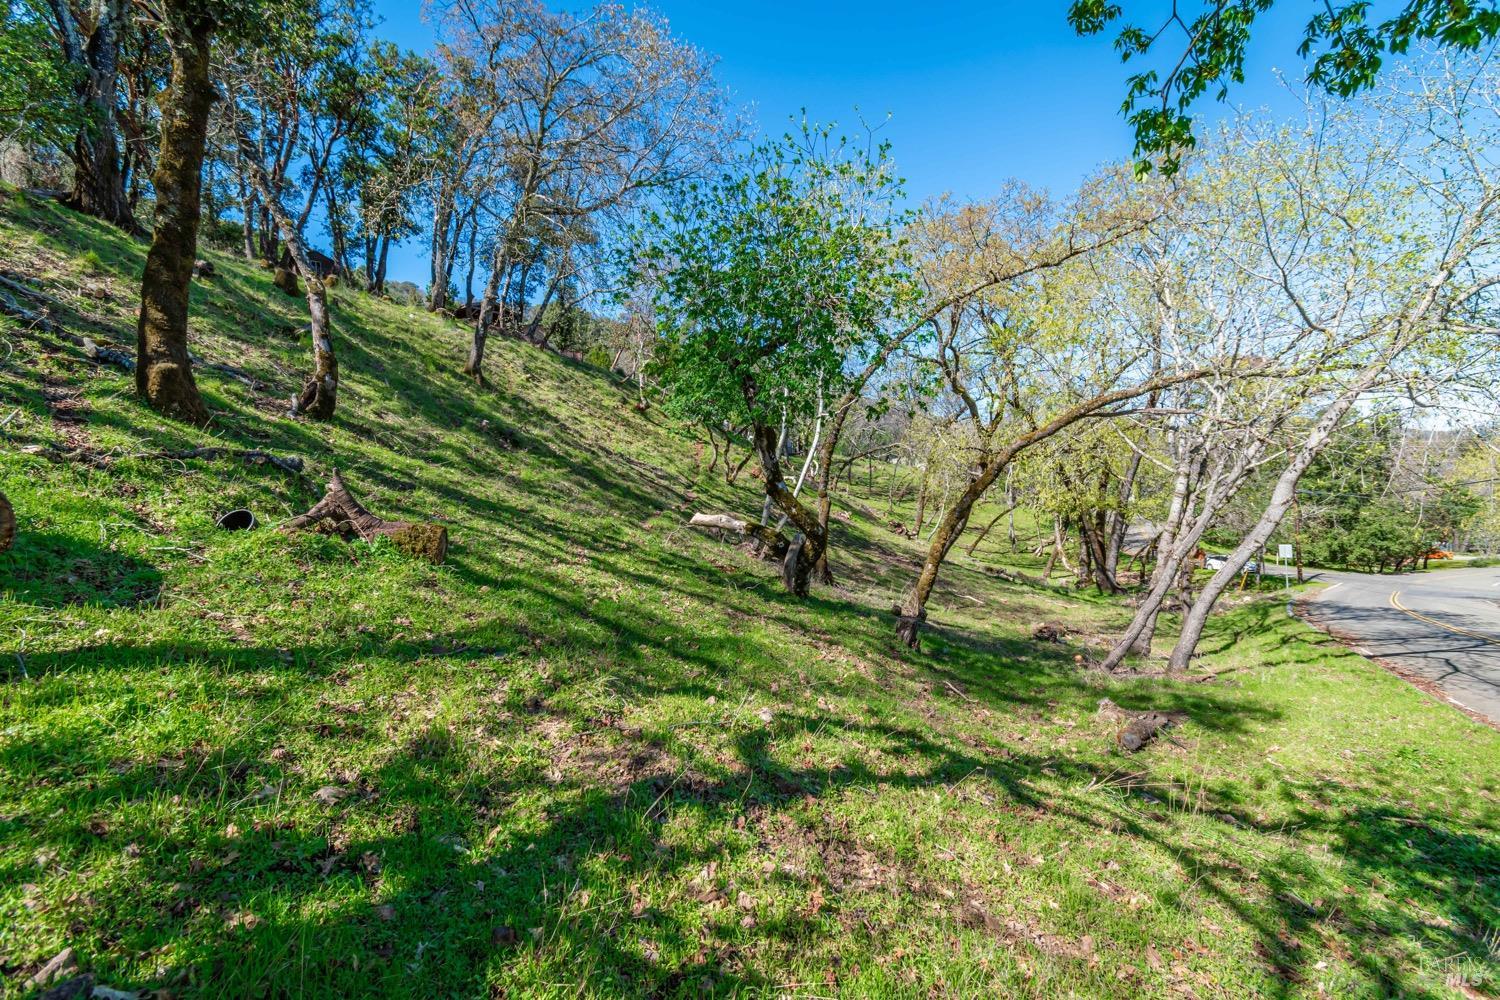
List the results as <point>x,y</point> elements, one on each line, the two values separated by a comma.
<point>598,754</point>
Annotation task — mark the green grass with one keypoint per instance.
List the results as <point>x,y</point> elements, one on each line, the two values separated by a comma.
<point>596,753</point>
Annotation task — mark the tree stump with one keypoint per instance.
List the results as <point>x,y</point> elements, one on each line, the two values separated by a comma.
<point>909,625</point>
<point>348,517</point>
<point>7,523</point>
<point>286,280</point>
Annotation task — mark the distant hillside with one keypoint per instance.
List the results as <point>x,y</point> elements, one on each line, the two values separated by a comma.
<point>597,752</point>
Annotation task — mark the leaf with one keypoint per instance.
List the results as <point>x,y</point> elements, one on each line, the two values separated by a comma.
<point>330,795</point>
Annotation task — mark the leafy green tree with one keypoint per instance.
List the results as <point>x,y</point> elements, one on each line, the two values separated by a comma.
<point>1346,50</point>
<point>769,282</point>
<point>36,83</point>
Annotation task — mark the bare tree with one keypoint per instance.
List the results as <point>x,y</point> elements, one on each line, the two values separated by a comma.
<point>590,111</point>
<point>1386,247</point>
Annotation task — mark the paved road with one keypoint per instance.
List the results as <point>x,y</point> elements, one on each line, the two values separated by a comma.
<point>1442,626</point>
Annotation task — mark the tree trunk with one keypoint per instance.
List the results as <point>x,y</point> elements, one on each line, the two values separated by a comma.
<point>7,523</point>
<point>1137,637</point>
<point>1012,503</point>
<point>98,180</point>
<point>1297,539</point>
<point>1094,530</point>
<point>164,374</point>
<point>1060,546</point>
<point>916,528</point>
<point>247,209</point>
<point>801,558</point>
<point>1150,609</point>
<point>473,255</point>
<point>385,250</point>
<point>1283,495</point>
<point>320,392</point>
<point>336,231</point>
<point>772,542</point>
<point>1118,522</point>
<point>988,527</point>
<point>494,293</point>
<point>442,210</point>
<point>912,611</point>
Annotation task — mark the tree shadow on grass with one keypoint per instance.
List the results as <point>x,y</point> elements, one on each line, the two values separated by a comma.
<point>53,570</point>
<point>506,869</point>
<point>400,890</point>
<point>1400,884</point>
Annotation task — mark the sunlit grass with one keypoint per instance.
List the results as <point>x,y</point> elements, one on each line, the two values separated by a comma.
<point>596,752</point>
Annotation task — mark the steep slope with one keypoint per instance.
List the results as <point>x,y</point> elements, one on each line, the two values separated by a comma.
<point>597,748</point>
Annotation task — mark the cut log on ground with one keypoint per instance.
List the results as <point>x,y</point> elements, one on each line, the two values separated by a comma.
<point>1049,632</point>
<point>1140,727</point>
<point>7,523</point>
<point>288,463</point>
<point>773,543</point>
<point>346,516</point>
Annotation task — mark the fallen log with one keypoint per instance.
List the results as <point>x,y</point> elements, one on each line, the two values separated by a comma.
<point>238,374</point>
<point>1140,727</point>
<point>1049,632</point>
<point>289,463</point>
<point>43,321</point>
<point>7,523</point>
<point>92,349</point>
<point>106,355</point>
<point>348,517</point>
<point>772,542</point>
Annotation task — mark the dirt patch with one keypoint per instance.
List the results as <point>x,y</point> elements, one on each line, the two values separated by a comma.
<point>829,850</point>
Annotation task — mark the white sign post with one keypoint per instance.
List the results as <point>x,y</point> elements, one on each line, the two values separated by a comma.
<point>1283,555</point>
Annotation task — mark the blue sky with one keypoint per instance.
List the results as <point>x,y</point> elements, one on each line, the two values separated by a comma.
<point>977,92</point>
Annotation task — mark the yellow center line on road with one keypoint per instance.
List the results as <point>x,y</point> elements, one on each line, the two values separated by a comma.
<point>1396,603</point>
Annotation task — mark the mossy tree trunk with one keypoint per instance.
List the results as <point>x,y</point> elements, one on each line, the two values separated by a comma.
<point>164,374</point>
<point>7,523</point>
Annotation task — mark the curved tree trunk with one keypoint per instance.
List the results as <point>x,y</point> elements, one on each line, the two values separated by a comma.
<point>319,393</point>
<point>163,373</point>
<point>800,558</point>
<point>1283,495</point>
<point>911,612</point>
<point>1150,610</point>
